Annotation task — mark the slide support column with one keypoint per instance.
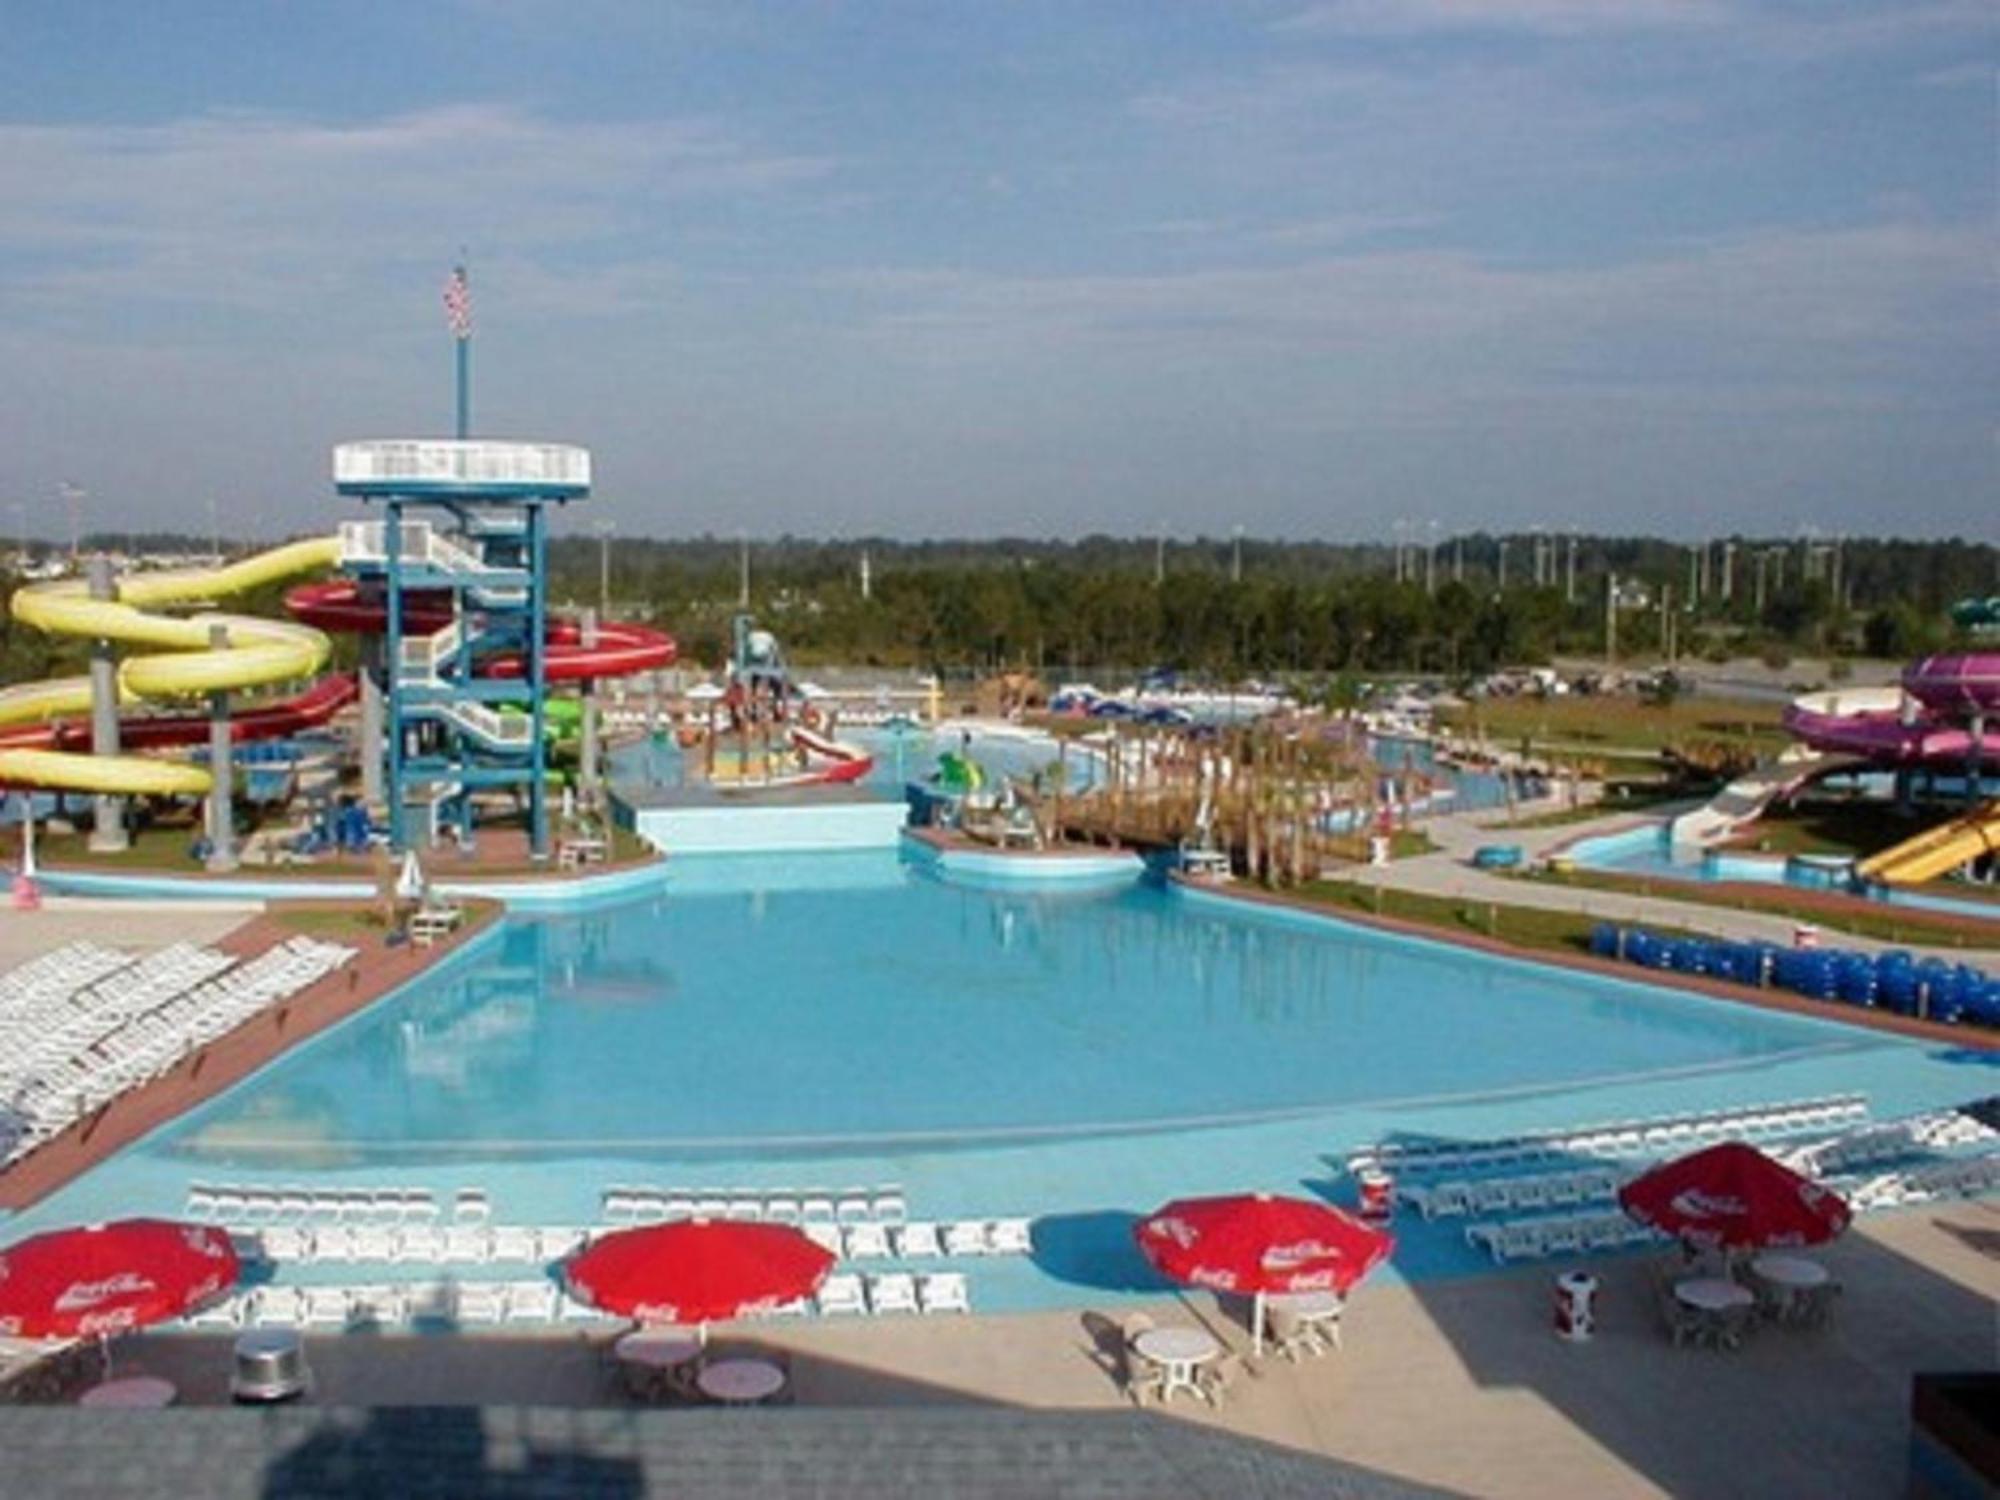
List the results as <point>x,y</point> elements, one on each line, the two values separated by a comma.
<point>221,823</point>
<point>107,834</point>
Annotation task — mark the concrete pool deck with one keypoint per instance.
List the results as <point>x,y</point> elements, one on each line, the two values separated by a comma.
<point>1457,1384</point>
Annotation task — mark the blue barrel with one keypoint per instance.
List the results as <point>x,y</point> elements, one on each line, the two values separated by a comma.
<point>1898,984</point>
<point>1604,940</point>
<point>1854,975</point>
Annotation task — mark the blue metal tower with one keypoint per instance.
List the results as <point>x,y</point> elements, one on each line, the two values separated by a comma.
<point>458,559</point>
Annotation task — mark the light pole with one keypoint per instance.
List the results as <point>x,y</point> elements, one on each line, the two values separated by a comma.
<point>743,570</point>
<point>603,530</point>
<point>1236,558</point>
<point>1160,555</point>
<point>215,528</point>
<point>73,497</point>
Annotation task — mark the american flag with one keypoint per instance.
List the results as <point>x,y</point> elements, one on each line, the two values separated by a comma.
<point>458,303</point>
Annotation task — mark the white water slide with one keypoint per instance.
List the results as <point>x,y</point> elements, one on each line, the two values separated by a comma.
<point>1743,801</point>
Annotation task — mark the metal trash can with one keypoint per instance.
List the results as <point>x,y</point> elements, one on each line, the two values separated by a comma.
<point>270,1366</point>
<point>1575,1306</point>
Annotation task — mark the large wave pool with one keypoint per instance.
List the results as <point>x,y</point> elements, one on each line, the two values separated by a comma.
<point>855,1018</point>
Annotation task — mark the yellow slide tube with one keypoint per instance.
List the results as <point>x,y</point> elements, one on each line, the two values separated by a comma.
<point>259,652</point>
<point>1936,851</point>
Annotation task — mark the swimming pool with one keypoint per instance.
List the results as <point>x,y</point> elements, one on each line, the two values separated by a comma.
<point>855,1018</point>
<point>1648,850</point>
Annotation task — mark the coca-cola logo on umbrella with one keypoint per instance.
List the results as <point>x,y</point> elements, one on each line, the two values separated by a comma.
<point>1693,1203</point>
<point>81,1294</point>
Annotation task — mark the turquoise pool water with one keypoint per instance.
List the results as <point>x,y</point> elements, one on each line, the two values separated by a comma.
<point>854,1018</point>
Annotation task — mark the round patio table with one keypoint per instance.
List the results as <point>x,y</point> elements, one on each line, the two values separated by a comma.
<point>1712,1293</point>
<point>1792,1272</point>
<point>657,1348</point>
<point>1177,1351</point>
<point>740,1382</point>
<point>130,1393</point>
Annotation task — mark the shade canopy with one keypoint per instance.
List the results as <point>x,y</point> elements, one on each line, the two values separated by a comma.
<point>1257,1243</point>
<point>693,1271</point>
<point>109,1278</point>
<point>1734,1197</point>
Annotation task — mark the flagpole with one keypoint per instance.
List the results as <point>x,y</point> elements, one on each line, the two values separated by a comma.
<point>458,311</point>
<point>464,352</point>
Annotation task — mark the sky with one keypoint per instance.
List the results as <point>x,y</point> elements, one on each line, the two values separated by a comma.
<point>1314,268</point>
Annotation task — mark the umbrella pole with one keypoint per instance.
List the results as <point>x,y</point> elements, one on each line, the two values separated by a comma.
<point>1257,1326</point>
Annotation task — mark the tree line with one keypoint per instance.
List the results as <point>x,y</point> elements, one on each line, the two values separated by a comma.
<point>1231,607</point>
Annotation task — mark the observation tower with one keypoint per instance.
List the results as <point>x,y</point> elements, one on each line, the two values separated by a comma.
<point>454,559</point>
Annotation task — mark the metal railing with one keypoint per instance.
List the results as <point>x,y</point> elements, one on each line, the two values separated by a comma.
<point>429,462</point>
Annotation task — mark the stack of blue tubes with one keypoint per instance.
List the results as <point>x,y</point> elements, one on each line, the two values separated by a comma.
<point>1892,980</point>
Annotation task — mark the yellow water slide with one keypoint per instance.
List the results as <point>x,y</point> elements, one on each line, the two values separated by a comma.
<point>1938,850</point>
<point>258,652</point>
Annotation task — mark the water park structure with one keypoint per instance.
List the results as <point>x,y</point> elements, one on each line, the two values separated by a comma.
<point>459,651</point>
<point>1932,733</point>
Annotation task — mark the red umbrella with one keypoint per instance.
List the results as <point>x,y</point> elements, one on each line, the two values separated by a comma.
<point>1734,1197</point>
<point>108,1278</point>
<point>694,1271</point>
<point>1256,1243</point>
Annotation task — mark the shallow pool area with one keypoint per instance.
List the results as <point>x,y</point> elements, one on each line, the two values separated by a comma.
<point>1647,850</point>
<point>769,1023</point>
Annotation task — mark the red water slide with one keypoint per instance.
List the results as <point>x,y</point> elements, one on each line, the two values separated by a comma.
<point>621,648</point>
<point>266,721</point>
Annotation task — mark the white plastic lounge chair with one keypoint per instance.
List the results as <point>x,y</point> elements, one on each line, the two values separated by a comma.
<point>918,1240</point>
<point>966,1237</point>
<point>515,1242</point>
<point>867,1242</point>
<point>841,1295</point>
<point>894,1292</point>
<point>1009,1237</point>
<point>944,1292</point>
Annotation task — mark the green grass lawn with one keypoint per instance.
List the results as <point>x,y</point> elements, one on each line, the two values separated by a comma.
<point>1520,926</point>
<point>1830,827</point>
<point>1620,723</point>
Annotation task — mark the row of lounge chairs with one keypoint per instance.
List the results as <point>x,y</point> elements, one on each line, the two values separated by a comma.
<point>1571,1234</point>
<point>421,1243</point>
<point>542,1301</point>
<point>78,1032</point>
<point>1559,1234</point>
<point>1965,1177</point>
<point>1491,1195</point>
<point>1891,1140</point>
<point>249,1207</point>
<point>410,1244</point>
<point>855,1205</point>
<point>1655,1135</point>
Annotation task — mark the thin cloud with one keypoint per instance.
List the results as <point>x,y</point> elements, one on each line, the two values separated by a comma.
<point>1546,17</point>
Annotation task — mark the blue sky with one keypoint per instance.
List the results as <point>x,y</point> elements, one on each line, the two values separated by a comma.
<point>983,268</point>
